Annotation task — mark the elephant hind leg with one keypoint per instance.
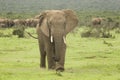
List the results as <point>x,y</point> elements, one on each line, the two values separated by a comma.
<point>42,56</point>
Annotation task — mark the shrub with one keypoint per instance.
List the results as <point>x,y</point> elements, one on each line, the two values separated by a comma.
<point>19,30</point>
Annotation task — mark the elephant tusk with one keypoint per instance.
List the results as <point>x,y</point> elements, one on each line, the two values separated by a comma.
<point>64,40</point>
<point>51,39</point>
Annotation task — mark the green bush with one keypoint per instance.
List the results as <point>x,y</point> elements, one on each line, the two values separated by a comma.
<point>19,30</point>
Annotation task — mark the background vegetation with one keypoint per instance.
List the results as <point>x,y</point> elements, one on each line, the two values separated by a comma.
<point>37,5</point>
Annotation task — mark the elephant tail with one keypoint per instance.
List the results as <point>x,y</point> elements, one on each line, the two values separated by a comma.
<point>31,35</point>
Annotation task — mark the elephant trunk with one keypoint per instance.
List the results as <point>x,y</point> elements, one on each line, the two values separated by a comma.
<point>59,48</point>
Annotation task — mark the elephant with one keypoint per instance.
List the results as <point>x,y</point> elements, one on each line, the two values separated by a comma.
<point>28,22</point>
<point>2,23</point>
<point>6,23</point>
<point>10,23</point>
<point>52,29</point>
<point>31,22</point>
<point>19,22</point>
<point>34,22</point>
<point>97,21</point>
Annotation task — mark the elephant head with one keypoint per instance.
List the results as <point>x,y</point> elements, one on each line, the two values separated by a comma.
<point>56,21</point>
<point>56,24</point>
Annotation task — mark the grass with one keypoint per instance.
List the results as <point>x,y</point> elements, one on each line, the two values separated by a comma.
<point>86,59</point>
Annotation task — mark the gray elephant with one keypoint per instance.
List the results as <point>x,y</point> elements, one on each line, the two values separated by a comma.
<point>6,23</point>
<point>97,21</point>
<point>52,29</point>
<point>19,22</point>
<point>31,22</point>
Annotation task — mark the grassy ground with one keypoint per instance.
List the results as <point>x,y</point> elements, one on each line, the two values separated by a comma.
<point>86,59</point>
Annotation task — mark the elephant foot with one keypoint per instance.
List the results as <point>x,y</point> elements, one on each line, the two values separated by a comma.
<point>41,66</point>
<point>59,68</point>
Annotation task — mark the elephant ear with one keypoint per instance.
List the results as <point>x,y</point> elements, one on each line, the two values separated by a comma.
<point>43,23</point>
<point>71,20</point>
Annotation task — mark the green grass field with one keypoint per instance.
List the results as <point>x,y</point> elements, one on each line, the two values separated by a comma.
<point>86,59</point>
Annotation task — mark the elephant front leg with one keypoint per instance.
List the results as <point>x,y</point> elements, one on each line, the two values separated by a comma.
<point>43,60</point>
<point>50,59</point>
